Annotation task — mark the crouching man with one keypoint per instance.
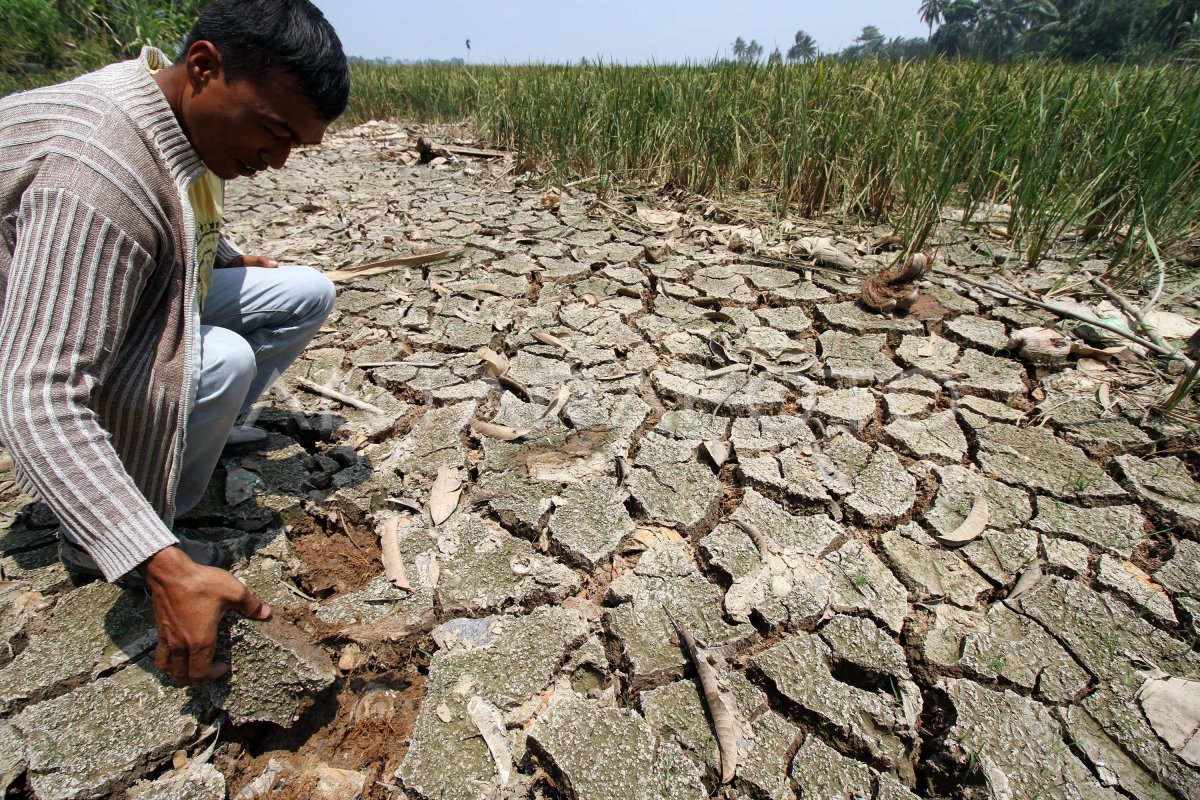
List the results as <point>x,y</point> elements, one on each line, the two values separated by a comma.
<point>125,357</point>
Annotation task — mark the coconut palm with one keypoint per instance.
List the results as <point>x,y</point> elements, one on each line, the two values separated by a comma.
<point>739,49</point>
<point>804,49</point>
<point>931,13</point>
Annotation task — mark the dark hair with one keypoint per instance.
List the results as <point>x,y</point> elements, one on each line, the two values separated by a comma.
<point>258,37</point>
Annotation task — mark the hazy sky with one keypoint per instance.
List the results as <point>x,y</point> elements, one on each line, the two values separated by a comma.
<point>629,31</point>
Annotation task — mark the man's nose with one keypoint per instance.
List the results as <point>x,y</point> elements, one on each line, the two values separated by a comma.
<point>276,157</point>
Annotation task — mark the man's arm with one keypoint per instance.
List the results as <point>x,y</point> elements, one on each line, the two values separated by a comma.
<point>72,284</point>
<point>230,255</point>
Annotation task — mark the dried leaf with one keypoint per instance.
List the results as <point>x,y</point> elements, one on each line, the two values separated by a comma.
<point>589,299</point>
<point>723,715</point>
<point>490,723</point>
<point>718,349</point>
<point>656,253</point>
<point>1029,579</point>
<point>717,373</point>
<point>659,220</point>
<point>717,316</point>
<point>1099,354</point>
<point>1170,325</point>
<point>644,538</point>
<point>718,451</point>
<point>552,201</point>
<point>443,712</point>
<point>560,401</point>
<point>1040,345</point>
<point>971,528</point>
<point>822,249</point>
<point>494,431</point>
<point>766,551</point>
<point>516,387</point>
<point>550,339</point>
<point>495,363</point>
<point>393,561</point>
<point>443,496</point>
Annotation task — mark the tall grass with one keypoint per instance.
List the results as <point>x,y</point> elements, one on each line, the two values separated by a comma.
<point>1097,153</point>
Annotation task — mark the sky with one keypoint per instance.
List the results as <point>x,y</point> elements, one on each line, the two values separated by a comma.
<point>622,31</point>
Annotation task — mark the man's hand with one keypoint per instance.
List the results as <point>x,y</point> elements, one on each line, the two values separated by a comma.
<point>253,261</point>
<point>189,600</point>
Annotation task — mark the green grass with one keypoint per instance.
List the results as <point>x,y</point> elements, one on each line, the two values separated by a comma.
<point>1095,160</point>
<point>1098,155</point>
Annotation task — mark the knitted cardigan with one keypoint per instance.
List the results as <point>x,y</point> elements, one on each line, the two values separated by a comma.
<point>99,333</point>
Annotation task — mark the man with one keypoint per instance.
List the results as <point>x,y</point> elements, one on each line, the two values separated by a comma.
<point>124,356</point>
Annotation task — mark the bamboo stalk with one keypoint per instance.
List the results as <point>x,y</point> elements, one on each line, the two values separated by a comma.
<point>332,394</point>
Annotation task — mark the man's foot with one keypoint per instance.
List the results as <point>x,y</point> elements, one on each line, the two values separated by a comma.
<point>81,565</point>
<point>244,439</point>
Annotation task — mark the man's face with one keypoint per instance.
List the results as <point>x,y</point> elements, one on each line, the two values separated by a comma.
<point>243,126</point>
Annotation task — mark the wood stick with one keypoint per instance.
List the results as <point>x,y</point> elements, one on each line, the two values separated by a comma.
<point>344,399</point>
<point>1068,313</point>
<point>1133,312</point>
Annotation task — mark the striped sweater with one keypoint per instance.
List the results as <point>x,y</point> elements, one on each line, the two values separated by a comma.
<point>98,330</point>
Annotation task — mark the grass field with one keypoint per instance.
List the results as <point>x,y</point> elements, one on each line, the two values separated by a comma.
<point>1104,160</point>
<point>1107,156</point>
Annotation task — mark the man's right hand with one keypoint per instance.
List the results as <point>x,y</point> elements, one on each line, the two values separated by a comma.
<point>189,601</point>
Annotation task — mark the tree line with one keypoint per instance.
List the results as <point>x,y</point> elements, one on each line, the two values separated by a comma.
<point>1004,30</point>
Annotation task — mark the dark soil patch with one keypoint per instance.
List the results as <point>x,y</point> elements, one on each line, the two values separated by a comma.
<point>334,564</point>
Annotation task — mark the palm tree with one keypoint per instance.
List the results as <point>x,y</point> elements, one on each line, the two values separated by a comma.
<point>870,42</point>
<point>805,48</point>
<point>931,13</point>
<point>739,49</point>
<point>753,50</point>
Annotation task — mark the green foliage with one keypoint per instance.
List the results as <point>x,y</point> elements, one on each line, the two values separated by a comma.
<point>1090,156</point>
<point>30,31</point>
<point>1001,30</point>
<point>49,35</point>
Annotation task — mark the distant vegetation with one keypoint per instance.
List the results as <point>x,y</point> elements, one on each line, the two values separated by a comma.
<point>1006,30</point>
<point>42,40</point>
<point>1104,157</point>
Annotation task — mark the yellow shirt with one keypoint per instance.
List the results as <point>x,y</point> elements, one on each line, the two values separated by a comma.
<point>207,196</point>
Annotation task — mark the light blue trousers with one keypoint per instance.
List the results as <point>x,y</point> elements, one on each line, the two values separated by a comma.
<point>254,324</point>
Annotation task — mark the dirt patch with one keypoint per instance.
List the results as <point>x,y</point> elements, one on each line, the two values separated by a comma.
<point>366,727</point>
<point>334,564</point>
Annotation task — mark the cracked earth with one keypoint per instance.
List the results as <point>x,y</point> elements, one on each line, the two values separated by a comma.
<point>743,449</point>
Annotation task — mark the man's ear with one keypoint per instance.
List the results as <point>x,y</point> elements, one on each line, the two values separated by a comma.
<point>203,64</point>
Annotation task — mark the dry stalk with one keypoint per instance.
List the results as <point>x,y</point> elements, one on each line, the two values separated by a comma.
<point>1068,313</point>
<point>1132,311</point>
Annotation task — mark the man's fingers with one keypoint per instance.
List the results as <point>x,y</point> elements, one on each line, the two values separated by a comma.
<point>162,657</point>
<point>217,671</point>
<point>199,662</point>
<point>249,605</point>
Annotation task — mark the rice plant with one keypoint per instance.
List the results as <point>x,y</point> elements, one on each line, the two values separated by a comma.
<point>1105,156</point>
